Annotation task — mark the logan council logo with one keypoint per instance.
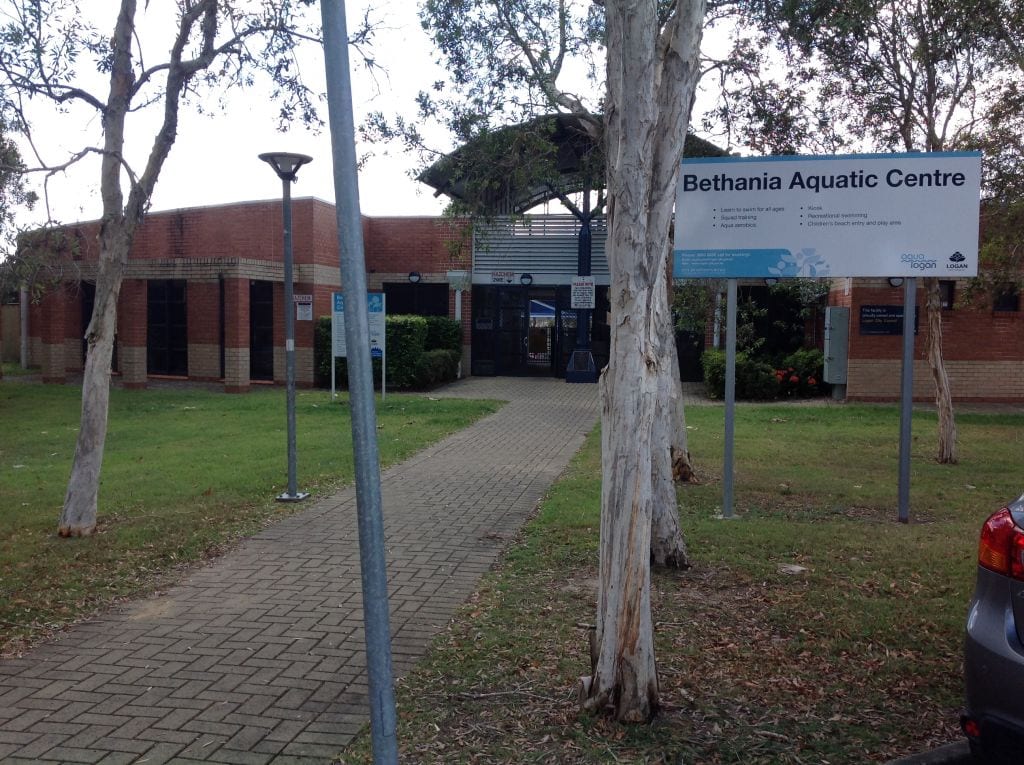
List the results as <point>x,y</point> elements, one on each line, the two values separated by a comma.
<point>956,261</point>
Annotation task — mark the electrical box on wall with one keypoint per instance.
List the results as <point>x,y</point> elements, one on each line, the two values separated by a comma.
<point>837,344</point>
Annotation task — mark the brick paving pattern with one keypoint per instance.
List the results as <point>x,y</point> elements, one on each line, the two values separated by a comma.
<point>259,657</point>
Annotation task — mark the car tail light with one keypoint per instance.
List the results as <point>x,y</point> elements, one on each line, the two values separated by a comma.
<point>1001,548</point>
<point>970,727</point>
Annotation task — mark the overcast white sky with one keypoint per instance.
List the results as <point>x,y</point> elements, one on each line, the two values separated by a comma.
<point>214,160</point>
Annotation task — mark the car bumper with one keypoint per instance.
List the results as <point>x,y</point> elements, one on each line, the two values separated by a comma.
<point>994,673</point>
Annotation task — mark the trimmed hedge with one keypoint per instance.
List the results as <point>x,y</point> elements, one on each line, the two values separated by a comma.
<point>422,351</point>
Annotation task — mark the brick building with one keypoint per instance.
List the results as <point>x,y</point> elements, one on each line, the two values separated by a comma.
<point>203,289</point>
<point>983,346</point>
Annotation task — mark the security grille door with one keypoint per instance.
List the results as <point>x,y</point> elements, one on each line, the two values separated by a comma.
<point>261,330</point>
<point>511,332</point>
<point>167,328</point>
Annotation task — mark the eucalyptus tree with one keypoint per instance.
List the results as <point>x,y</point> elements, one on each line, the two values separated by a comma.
<point>531,63</point>
<point>652,74</point>
<point>50,51</point>
<point>627,70</point>
<point>877,75</point>
<point>14,195</point>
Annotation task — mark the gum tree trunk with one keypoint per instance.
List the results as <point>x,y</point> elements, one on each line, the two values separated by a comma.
<point>947,448</point>
<point>669,453</point>
<point>652,73</point>
<point>117,231</point>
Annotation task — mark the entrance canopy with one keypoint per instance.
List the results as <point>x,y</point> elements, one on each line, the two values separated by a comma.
<point>510,170</point>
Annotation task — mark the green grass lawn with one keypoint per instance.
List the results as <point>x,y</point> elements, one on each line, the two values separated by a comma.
<point>185,472</point>
<point>856,659</point>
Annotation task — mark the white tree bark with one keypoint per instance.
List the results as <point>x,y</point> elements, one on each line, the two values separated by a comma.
<point>651,79</point>
<point>947,446</point>
<point>117,231</point>
<point>668,443</point>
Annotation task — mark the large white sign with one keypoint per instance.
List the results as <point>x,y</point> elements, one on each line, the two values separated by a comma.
<point>855,215</point>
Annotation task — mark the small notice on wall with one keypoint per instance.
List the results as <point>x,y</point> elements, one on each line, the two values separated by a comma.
<point>303,307</point>
<point>883,320</point>
<point>582,295</point>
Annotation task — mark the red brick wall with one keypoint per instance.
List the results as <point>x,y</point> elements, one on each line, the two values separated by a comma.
<point>983,350</point>
<point>401,245</point>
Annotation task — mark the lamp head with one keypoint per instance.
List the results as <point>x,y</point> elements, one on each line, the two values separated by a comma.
<point>285,164</point>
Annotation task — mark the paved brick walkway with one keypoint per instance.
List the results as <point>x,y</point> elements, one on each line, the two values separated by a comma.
<point>258,657</point>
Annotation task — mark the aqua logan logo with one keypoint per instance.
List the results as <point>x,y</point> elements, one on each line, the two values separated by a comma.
<point>918,261</point>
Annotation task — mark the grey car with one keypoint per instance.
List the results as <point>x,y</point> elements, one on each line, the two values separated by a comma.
<point>994,648</point>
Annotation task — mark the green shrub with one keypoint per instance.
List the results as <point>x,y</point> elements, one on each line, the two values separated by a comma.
<point>437,366</point>
<point>443,334</point>
<point>406,343</point>
<point>712,361</point>
<point>412,362</point>
<point>755,379</point>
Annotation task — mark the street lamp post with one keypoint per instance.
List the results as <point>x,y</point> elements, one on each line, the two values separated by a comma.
<point>287,166</point>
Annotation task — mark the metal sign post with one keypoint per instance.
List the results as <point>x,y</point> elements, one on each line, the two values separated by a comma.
<point>730,399</point>
<point>906,397</point>
<point>360,377</point>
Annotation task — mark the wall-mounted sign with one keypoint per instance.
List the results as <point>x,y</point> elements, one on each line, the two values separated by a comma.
<point>503,277</point>
<point>883,320</point>
<point>853,215</point>
<point>303,307</point>
<point>582,294</point>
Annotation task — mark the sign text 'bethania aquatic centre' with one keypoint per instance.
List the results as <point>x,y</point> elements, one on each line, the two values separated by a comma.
<point>854,215</point>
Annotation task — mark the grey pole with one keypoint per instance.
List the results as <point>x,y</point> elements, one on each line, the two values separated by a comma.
<point>286,166</point>
<point>730,398</point>
<point>289,344</point>
<point>906,395</point>
<point>360,381</point>
<point>23,307</point>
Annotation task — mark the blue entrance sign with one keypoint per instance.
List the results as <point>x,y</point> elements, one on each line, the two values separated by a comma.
<point>854,215</point>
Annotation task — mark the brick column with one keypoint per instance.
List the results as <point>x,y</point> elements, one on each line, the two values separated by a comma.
<point>203,331</point>
<point>236,335</point>
<point>132,324</point>
<point>53,334</point>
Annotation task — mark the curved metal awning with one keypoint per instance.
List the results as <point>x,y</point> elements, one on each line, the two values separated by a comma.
<point>515,168</point>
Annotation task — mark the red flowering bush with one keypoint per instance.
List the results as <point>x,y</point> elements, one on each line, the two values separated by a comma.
<point>800,374</point>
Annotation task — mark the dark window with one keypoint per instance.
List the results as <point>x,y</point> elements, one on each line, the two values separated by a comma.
<point>417,299</point>
<point>947,291</point>
<point>261,330</point>
<point>167,345</point>
<point>1007,298</point>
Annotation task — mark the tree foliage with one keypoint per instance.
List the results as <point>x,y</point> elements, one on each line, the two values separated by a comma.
<point>881,75</point>
<point>16,268</point>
